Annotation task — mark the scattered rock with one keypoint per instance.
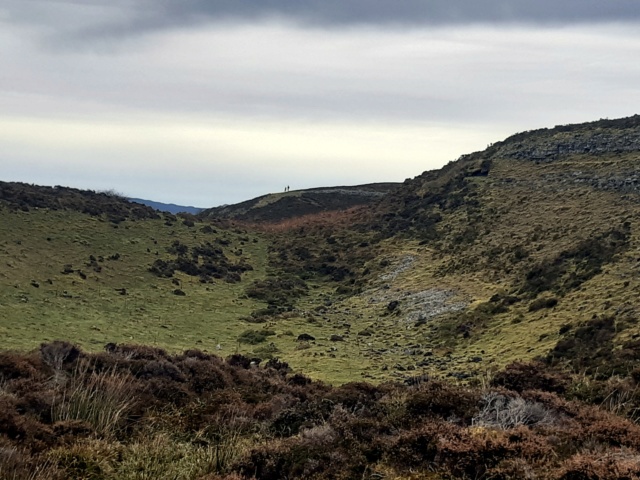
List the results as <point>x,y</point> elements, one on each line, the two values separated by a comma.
<point>391,306</point>
<point>402,266</point>
<point>67,269</point>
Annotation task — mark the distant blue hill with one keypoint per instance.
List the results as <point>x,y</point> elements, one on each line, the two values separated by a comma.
<point>167,207</point>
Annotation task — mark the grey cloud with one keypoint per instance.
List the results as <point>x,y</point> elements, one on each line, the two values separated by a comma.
<point>337,12</point>
<point>117,17</point>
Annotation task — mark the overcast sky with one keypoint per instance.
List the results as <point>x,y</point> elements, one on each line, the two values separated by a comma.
<point>206,102</point>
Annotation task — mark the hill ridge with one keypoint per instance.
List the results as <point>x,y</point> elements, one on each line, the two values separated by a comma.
<point>285,205</point>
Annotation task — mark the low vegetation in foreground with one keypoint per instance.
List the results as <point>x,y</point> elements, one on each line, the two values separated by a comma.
<point>137,412</point>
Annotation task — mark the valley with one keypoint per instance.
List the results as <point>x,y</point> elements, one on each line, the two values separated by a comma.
<point>456,273</point>
<point>477,321</point>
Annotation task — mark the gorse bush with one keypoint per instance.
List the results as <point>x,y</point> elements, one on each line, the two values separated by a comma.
<point>278,292</point>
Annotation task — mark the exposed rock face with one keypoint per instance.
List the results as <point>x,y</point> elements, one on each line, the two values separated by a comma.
<point>593,138</point>
<point>418,306</point>
<point>600,143</point>
<point>624,182</point>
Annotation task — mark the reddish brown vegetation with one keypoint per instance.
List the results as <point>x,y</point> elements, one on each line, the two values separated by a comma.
<point>312,221</point>
<point>268,423</point>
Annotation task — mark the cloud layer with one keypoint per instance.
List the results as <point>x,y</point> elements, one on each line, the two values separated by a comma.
<point>120,16</point>
<point>206,102</point>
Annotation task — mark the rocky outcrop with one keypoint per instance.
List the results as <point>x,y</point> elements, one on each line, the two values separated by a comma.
<point>563,144</point>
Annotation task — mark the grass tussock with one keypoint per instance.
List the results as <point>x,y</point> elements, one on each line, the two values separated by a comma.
<point>101,399</point>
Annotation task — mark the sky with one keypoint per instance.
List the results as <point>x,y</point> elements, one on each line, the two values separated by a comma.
<point>211,102</point>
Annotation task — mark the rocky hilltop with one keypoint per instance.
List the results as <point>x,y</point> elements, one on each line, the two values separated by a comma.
<point>594,138</point>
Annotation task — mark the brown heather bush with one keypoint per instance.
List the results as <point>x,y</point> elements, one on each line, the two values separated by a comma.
<point>438,399</point>
<point>299,457</point>
<point>521,376</point>
<point>597,464</point>
<point>466,452</point>
<point>14,365</point>
<point>135,412</point>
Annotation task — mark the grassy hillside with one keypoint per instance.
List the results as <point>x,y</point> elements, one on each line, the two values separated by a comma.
<point>70,275</point>
<point>496,257</point>
<point>506,254</point>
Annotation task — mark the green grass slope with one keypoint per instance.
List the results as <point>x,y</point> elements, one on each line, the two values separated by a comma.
<point>73,276</point>
<point>526,250</point>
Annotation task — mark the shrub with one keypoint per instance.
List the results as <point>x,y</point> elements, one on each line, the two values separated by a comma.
<point>540,303</point>
<point>58,352</point>
<point>267,351</point>
<point>589,348</point>
<point>239,360</point>
<point>254,337</point>
<point>436,399</point>
<point>601,465</point>
<point>519,376</point>
<point>14,366</point>
<point>279,291</point>
<point>91,459</point>
<point>571,268</point>
<point>500,411</point>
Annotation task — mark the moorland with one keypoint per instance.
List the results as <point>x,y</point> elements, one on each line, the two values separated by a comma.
<point>477,321</point>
